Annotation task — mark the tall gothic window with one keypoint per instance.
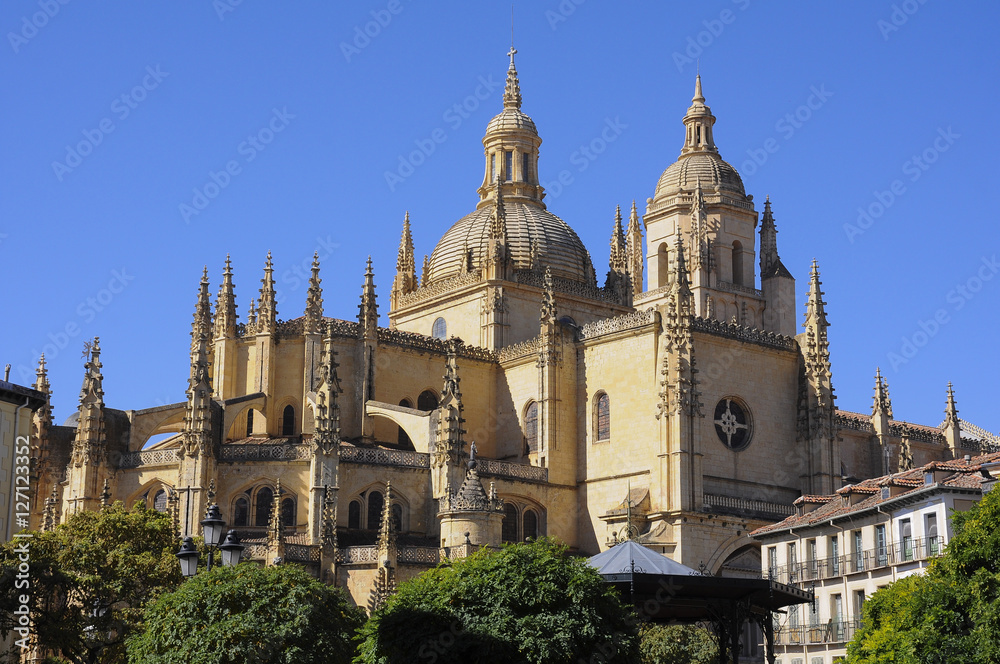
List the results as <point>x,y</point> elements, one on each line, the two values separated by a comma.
<point>375,504</point>
<point>265,502</point>
<point>508,529</point>
<point>508,165</point>
<point>427,401</point>
<point>288,512</point>
<point>241,512</point>
<point>602,417</point>
<point>354,514</point>
<point>531,427</point>
<point>288,421</point>
<point>160,501</point>
<point>530,524</point>
<point>440,329</point>
<point>249,421</point>
<point>737,263</point>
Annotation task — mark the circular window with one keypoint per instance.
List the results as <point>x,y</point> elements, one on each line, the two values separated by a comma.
<point>733,423</point>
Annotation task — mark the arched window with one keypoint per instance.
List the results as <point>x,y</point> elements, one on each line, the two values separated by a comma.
<point>265,501</point>
<point>530,524</point>
<point>402,438</point>
<point>526,167</point>
<point>508,530</point>
<point>288,512</point>
<point>241,512</point>
<point>602,417</point>
<point>427,401</point>
<point>737,263</point>
<point>440,329</point>
<point>249,421</point>
<point>375,504</point>
<point>662,266</point>
<point>531,427</point>
<point>354,514</point>
<point>288,421</point>
<point>508,165</point>
<point>160,501</point>
<point>397,517</point>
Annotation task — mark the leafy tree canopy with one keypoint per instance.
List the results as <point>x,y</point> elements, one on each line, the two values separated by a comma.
<point>88,580</point>
<point>526,603</point>
<point>677,644</point>
<point>248,613</point>
<point>949,615</point>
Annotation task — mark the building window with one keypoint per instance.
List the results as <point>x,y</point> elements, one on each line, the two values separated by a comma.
<point>662,266</point>
<point>508,530</point>
<point>288,421</point>
<point>531,427</point>
<point>792,564</point>
<point>530,525</point>
<point>526,167</point>
<point>160,501</point>
<point>249,422</point>
<point>834,555</point>
<point>837,617</point>
<point>354,515</point>
<point>772,561</point>
<point>602,417</point>
<point>738,263</point>
<point>733,423</point>
<point>811,558</point>
<point>402,438</point>
<point>881,547</point>
<point>508,165</point>
<point>427,401</point>
<point>288,513</point>
<point>933,542</point>
<point>241,512</point>
<point>264,502</point>
<point>440,329</point>
<point>375,505</point>
<point>906,539</point>
<point>493,167</point>
<point>859,604</point>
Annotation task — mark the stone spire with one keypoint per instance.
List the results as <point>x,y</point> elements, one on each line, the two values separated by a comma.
<point>952,425</point>
<point>328,389</point>
<point>406,272</point>
<point>512,90</point>
<point>202,311</point>
<point>425,271</point>
<point>815,306</point>
<point>633,250</point>
<point>951,410</point>
<point>679,393</point>
<point>43,416</point>
<point>384,584</point>
<point>252,317</point>
<point>768,242</point>
<point>267,312</point>
<point>497,260</point>
<point>197,439</point>
<point>368,309</point>
<point>89,444</point>
<point>387,528</point>
<point>881,401</point>
<point>314,300</point>
<point>698,122</point>
<point>225,305</point>
<point>618,263</point>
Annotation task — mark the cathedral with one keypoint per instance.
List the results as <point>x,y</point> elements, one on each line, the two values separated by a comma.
<point>499,392</point>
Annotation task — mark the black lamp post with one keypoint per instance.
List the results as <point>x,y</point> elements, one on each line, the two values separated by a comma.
<point>214,527</point>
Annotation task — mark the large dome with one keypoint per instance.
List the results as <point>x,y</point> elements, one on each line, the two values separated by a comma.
<point>710,169</point>
<point>558,246</point>
<point>510,119</point>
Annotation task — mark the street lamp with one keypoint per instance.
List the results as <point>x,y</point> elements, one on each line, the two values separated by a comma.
<point>213,527</point>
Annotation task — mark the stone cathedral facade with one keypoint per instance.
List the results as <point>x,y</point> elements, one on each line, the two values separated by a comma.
<point>502,393</point>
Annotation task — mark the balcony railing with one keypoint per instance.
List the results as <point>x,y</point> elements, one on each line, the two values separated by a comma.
<point>896,553</point>
<point>834,631</point>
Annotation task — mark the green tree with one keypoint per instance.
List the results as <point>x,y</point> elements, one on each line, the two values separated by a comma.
<point>248,613</point>
<point>949,615</point>
<point>526,603</point>
<point>677,644</point>
<point>88,580</point>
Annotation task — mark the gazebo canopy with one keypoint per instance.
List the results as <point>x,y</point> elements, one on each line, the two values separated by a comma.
<point>630,556</point>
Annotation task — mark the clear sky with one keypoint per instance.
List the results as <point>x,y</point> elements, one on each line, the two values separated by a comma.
<point>117,114</point>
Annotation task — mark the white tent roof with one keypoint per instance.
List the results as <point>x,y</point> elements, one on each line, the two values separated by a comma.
<point>619,559</point>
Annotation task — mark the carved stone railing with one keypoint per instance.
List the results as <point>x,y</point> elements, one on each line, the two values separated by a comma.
<point>289,328</point>
<point>651,294</point>
<point>854,422</point>
<point>686,199</point>
<point>232,453</point>
<point>381,457</point>
<point>751,335</point>
<point>739,288</point>
<point>255,552</point>
<point>747,505</point>
<point>423,342</point>
<point>990,440</point>
<point>568,286</point>
<point>419,555</point>
<point>302,553</point>
<point>145,458</point>
<point>427,292</point>
<point>904,430</point>
<point>518,350</point>
<point>629,321</point>
<point>357,554</point>
<point>511,471</point>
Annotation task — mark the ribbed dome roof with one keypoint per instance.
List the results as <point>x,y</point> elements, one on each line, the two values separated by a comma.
<point>510,119</point>
<point>709,168</point>
<point>558,245</point>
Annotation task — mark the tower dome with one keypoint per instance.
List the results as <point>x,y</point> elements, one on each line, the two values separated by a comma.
<point>535,237</point>
<point>699,160</point>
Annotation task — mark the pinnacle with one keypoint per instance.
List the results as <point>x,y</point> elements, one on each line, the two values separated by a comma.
<point>698,96</point>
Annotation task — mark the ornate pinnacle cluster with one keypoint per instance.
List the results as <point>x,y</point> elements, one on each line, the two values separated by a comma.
<point>267,312</point>
<point>43,416</point>
<point>406,270</point>
<point>951,410</point>
<point>89,443</point>
<point>618,261</point>
<point>328,526</point>
<point>548,315</point>
<point>387,528</point>
<point>327,436</point>
<point>701,254</point>
<point>425,271</point>
<point>817,409</point>
<point>881,400</point>
<point>202,311</point>
<point>905,461</point>
<point>368,309</point>
<point>314,300</point>
<point>198,414</point>
<point>471,497</point>
<point>769,260</point>
<point>252,317</point>
<point>633,250</point>
<point>225,305</point>
<point>451,432</point>
<point>512,90</point>
<point>679,391</point>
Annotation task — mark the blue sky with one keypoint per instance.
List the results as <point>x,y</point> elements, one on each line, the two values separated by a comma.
<point>287,117</point>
